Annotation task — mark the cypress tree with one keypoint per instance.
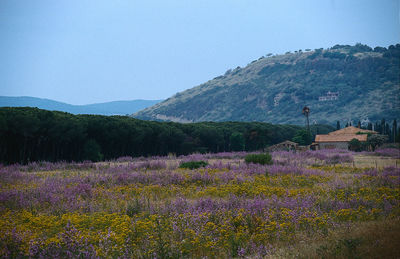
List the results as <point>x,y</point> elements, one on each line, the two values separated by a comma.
<point>383,123</point>
<point>398,135</point>
<point>377,127</point>
<point>387,129</point>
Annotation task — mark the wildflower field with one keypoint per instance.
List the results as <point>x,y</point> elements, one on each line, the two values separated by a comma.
<point>309,205</point>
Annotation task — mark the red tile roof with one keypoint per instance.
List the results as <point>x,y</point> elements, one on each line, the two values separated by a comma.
<point>345,135</point>
<point>340,138</point>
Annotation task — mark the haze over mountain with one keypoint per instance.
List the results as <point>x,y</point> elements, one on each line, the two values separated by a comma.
<point>340,83</point>
<point>107,108</point>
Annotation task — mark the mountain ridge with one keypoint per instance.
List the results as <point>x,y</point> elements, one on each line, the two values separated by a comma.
<point>275,89</point>
<point>105,108</point>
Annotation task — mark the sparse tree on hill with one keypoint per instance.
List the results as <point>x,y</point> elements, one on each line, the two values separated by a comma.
<point>337,125</point>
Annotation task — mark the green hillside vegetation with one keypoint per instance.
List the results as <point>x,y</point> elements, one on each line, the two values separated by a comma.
<point>274,89</point>
<point>31,134</point>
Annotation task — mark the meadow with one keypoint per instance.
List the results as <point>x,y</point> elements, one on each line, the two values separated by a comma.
<point>314,204</point>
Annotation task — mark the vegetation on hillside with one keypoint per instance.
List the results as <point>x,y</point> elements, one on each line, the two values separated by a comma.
<point>31,134</point>
<point>275,89</point>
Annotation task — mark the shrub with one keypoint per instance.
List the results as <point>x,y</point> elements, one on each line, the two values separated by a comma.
<point>355,145</point>
<point>134,207</point>
<point>376,140</point>
<point>193,164</point>
<point>263,159</point>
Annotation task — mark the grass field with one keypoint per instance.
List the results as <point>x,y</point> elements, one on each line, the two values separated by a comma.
<point>375,161</point>
<point>305,205</point>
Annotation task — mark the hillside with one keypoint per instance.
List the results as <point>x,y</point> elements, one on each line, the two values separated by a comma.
<point>363,82</point>
<point>108,108</point>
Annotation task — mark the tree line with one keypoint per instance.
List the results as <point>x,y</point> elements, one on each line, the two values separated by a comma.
<point>391,130</point>
<point>31,134</point>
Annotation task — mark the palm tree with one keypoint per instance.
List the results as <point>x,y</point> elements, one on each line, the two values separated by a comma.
<point>306,112</point>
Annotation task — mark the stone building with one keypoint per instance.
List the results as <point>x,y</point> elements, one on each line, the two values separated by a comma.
<point>284,146</point>
<point>340,139</point>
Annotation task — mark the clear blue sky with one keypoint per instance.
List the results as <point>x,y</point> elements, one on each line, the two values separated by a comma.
<point>81,52</point>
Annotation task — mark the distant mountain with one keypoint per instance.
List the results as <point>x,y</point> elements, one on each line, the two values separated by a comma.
<point>340,83</point>
<point>108,108</point>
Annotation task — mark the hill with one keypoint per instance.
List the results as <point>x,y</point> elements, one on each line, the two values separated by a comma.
<point>107,108</point>
<point>340,83</point>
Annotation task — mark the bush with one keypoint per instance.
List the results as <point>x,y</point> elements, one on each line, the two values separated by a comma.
<point>355,145</point>
<point>134,207</point>
<point>263,159</point>
<point>193,164</point>
<point>376,140</point>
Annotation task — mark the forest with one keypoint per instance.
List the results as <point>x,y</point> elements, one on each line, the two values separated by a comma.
<point>31,134</point>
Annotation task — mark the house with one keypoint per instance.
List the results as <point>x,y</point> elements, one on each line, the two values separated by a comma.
<point>284,146</point>
<point>340,139</point>
<point>330,96</point>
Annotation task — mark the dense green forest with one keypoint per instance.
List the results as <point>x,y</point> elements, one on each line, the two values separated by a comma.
<point>31,134</point>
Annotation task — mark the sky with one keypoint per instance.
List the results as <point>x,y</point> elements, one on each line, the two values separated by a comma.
<point>91,51</point>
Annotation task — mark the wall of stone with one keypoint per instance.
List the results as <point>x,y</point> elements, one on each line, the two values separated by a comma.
<point>332,145</point>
